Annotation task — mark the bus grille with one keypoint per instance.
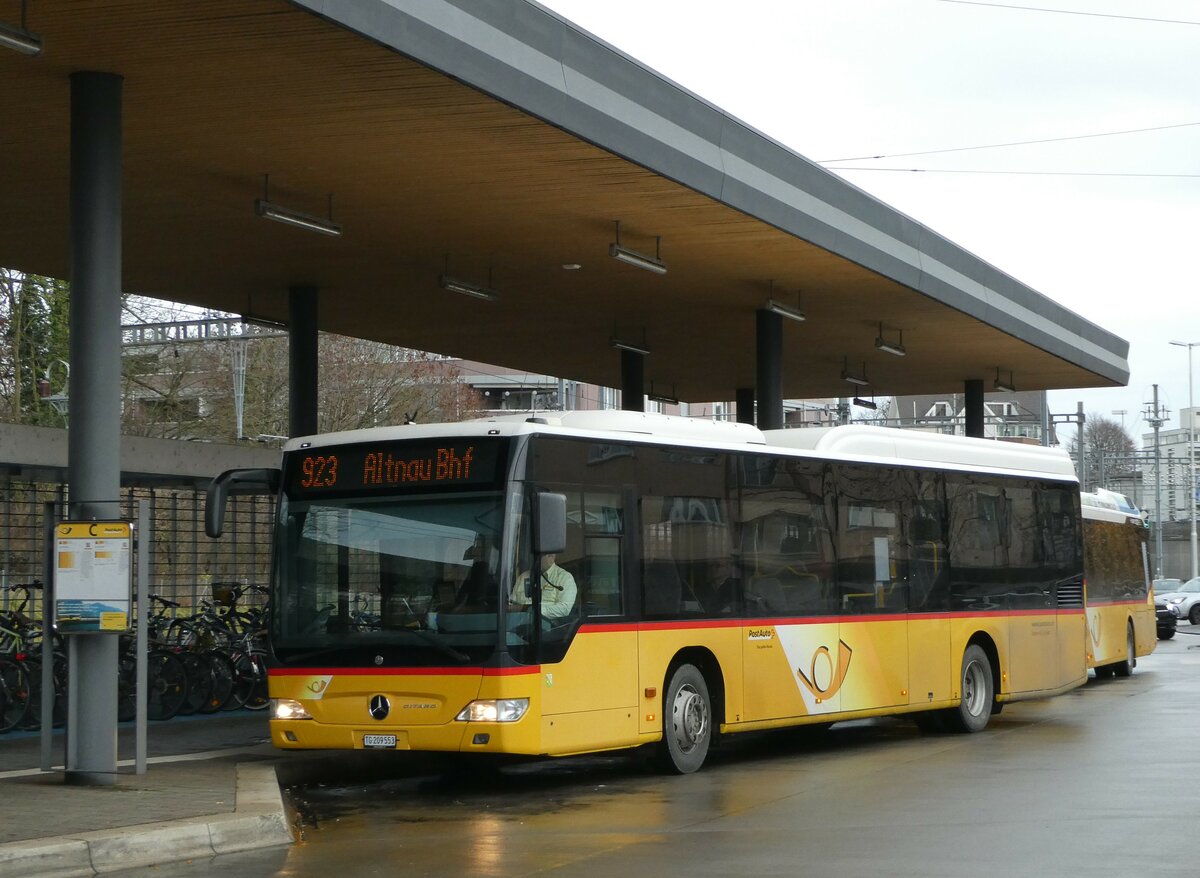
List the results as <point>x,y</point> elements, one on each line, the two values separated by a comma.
<point>1070,595</point>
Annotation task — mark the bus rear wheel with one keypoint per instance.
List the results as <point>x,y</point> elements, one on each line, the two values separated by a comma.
<point>977,687</point>
<point>1125,668</point>
<point>687,722</point>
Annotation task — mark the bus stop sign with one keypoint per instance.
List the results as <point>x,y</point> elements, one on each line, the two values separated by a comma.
<point>93,576</point>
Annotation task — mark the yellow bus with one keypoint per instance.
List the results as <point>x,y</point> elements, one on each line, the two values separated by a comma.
<point>699,580</point>
<point>1117,593</point>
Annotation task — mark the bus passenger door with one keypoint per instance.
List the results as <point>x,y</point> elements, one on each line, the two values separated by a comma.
<point>589,683</point>
<point>931,669</point>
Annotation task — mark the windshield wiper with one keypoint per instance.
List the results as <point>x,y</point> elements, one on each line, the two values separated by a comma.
<point>424,637</point>
<point>312,653</point>
<point>432,640</point>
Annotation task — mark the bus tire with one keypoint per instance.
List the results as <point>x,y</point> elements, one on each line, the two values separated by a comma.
<point>1125,668</point>
<point>687,722</point>
<point>977,688</point>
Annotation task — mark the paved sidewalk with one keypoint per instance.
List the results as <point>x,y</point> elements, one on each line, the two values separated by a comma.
<point>210,788</point>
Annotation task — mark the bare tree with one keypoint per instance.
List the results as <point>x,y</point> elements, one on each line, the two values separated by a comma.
<point>1110,449</point>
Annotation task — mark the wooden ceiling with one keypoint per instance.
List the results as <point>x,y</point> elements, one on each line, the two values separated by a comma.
<point>430,176</point>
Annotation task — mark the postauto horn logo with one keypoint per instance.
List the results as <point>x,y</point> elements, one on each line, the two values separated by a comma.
<point>813,679</point>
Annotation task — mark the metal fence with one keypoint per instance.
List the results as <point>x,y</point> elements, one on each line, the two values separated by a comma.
<point>184,563</point>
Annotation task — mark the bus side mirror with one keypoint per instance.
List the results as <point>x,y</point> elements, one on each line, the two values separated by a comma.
<point>550,523</point>
<point>235,481</point>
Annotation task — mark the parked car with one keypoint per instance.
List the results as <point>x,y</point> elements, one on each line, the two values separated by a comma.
<point>1185,598</point>
<point>1166,620</point>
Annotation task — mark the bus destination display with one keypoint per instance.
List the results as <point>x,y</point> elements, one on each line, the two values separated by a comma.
<point>394,465</point>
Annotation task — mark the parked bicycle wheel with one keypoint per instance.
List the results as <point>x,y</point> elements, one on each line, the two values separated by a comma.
<point>14,681</point>
<point>199,682</point>
<point>166,685</point>
<point>258,699</point>
<point>249,681</point>
<point>222,676</point>
<point>127,687</point>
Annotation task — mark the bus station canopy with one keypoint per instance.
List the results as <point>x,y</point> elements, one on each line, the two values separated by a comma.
<point>493,142</point>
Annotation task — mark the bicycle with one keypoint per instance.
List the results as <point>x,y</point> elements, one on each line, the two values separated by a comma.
<point>21,649</point>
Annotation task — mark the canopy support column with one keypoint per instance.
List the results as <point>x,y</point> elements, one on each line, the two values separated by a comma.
<point>302,361</point>
<point>769,370</point>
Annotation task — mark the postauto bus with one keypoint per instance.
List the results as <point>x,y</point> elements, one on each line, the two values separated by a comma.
<point>693,580</point>
<point>1120,602</point>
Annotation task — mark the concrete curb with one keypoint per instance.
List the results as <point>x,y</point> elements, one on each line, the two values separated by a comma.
<point>258,821</point>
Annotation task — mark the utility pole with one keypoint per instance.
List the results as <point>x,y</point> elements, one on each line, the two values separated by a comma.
<point>1083,470</point>
<point>1191,451</point>
<point>1155,418</point>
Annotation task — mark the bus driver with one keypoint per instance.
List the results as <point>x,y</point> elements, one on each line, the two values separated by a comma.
<point>558,590</point>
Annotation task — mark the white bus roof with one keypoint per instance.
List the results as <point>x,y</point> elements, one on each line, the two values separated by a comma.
<point>934,448</point>
<point>852,442</point>
<point>1102,505</point>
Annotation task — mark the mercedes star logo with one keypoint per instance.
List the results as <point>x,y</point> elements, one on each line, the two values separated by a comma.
<point>380,707</point>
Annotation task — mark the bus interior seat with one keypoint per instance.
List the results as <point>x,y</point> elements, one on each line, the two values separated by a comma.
<point>767,594</point>
<point>662,588</point>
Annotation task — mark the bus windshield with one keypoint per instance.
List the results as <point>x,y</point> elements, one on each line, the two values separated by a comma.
<point>413,579</point>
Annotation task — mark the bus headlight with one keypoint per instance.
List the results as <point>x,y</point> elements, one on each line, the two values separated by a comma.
<point>288,708</point>
<point>496,710</point>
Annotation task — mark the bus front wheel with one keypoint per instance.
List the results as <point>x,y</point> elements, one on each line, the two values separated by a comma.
<point>687,722</point>
<point>978,691</point>
<point>1125,668</point>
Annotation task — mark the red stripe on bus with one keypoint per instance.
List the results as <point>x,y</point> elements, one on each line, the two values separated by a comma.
<point>404,671</point>
<point>765,621</point>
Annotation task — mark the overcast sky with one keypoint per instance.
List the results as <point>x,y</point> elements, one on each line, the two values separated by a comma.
<point>1108,226</point>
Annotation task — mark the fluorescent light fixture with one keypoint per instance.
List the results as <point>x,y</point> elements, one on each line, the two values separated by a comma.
<point>659,396</point>
<point>640,260</point>
<point>295,218</point>
<point>636,258</point>
<point>865,403</point>
<point>895,348</point>
<point>1004,386</point>
<point>777,307</point>
<point>467,289</point>
<point>251,320</point>
<point>19,37</point>
<point>847,375</point>
<point>629,346</point>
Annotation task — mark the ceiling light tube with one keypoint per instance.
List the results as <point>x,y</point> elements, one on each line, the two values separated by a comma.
<point>896,348</point>
<point>865,403</point>
<point>640,260</point>
<point>467,289</point>
<point>777,307</point>
<point>633,257</point>
<point>847,375</point>
<point>18,38</point>
<point>629,346</point>
<point>295,218</point>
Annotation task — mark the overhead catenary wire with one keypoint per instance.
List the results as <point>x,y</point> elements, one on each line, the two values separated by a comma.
<point>1016,173</point>
<point>1039,141</point>
<point>1070,12</point>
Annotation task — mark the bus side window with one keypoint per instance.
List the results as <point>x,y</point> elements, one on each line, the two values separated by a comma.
<point>603,529</point>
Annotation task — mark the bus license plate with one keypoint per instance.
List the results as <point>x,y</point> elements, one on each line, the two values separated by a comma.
<point>380,742</point>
